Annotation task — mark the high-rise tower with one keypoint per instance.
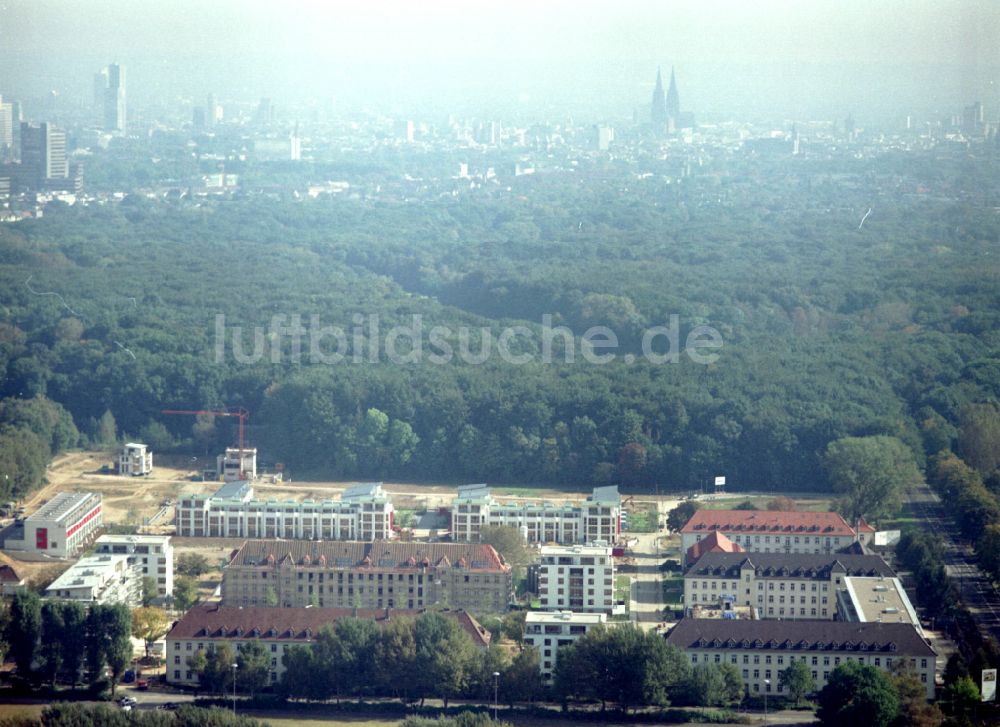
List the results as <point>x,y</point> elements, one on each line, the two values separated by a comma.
<point>658,111</point>
<point>43,155</point>
<point>114,106</point>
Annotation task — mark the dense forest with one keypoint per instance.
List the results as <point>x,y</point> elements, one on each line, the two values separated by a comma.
<point>829,329</point>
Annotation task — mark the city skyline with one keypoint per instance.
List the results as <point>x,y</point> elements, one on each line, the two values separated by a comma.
<point>817,62</point>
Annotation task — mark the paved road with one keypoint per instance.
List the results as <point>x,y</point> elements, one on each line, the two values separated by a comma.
<point>977,592</point>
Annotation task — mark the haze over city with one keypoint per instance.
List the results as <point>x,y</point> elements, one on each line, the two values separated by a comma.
<point>797,60</point>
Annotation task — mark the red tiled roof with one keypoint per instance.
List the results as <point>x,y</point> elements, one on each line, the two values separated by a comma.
<point>375,554</point>
<point>864,527</point>
<point>768,522</point>
<point>9,575</point>
<point>213,621</point>
<point>716,542</point>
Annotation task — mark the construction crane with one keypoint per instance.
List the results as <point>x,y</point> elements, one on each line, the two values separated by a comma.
<point>239,412</point>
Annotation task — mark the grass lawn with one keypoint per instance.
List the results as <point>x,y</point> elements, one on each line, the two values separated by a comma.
<point>623,588</point>
<point>21,710</point>
<point>673,589</point>
<point>818,504</point>
<point>288,719</point>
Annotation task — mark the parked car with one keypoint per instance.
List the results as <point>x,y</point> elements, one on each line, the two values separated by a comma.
<point>142,685</point>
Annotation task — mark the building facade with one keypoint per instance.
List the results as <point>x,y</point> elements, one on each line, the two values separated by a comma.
<point>778,585</point>
<point>758,531</point>
<point>135,459</point>
<point>153,554</point>
<point>100,579</point>
<point>576,578</point>
<point>207,625</point>
<point>595,520</point>
<point>377,574</point>
<point>550,631</point>
<point>364,512</point>
<point>762,649</point>
<point>61,527</point>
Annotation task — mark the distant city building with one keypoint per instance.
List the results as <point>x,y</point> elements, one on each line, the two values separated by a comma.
<point>6,131</point>
<point>576,578</point>
<point>775,532</point>
<point>100,579</point>
<point>973,119</point>
<point>763,649</point>
<point>43,156</point>
<point>595,520</point>
<point>778,585</point>
<point>377,574</point>
<point>550,631</point>
<point>61,527</point>
<point>207,625</point>
<point>135,459</point>
<point>109,87</point>
<point>603,136</point>
<point>665,110</point>
<point>658,109</point>
<point>265,112</point>
<point>152,554</point>
<point>364,512</point>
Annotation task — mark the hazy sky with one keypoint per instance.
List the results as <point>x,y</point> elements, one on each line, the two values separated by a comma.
<point>807,58</point>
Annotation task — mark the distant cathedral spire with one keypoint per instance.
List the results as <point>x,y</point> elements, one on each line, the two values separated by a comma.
<point>658,111</point>
<point>673,100</point>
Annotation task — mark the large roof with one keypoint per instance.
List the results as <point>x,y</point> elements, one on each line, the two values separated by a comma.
<point>789,565</point>
<point>768,522</point>
<point>716,542</point>
<point>212,621</point>
<point>792,636</point>
<point>63,505</point>
<point>374,554</point>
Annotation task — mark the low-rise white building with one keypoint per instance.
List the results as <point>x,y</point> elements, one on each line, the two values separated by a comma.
<point>104,578</point>
<point>234,466</point>
<point>550,631</point>
<point>576,578</point>
<point>595,519</point>
<point>867,599</point>
<point>135,460</point>
<point>61,527</point>
<point>364,512</point>
<point>761,650</point>
<point>153,554</point>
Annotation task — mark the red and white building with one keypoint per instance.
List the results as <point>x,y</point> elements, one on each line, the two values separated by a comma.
<point>766,531</point>
<point>62,527</point>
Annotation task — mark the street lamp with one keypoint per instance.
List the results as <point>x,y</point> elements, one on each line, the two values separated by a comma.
<point>235,666</point>
<point>767,683</point>
<point>496,691</point>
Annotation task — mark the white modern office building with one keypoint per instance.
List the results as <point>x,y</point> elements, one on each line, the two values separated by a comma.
<point>61,527</point>
<point>364,512</point>
<point>594,520</point>
<point>100,579</point>
<point>153,554</point>
<point>576,578</point>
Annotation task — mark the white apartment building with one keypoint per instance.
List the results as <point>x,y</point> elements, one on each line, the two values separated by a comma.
<point>61,527</point>
<point>209,624</point>
<point>153,554</point>
<point>759,531</point>
<point>594,520</point>
<point>762,649</point>
<point>232,467</point>
<point>550,631</point>
<point>99,579</point>
<point>135,459</point>
<point>364,512</point>
<point>778,585</point>
<point>576,578</point>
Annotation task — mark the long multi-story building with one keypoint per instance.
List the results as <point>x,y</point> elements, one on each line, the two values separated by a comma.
<point>549,631</point>
<point>766,531</point>
<point>206,626</point>
<point>595,520</point>
<point>61,527</point>
<point>778,585</point>
<point>761,650</point>
<point>153,554</point>
<point>100,579</point>
<point>576,578</point>
<point>377,574</point>
<point>364,512</point>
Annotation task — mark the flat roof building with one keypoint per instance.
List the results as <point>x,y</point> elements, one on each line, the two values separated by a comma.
<point>549,631</point>
<point>61,527</point>
<point>153,554</point>
<point>875,599</point>
<point>99,579</point>
<point>576,578</point>
<point>135,459</point>
<point>364,512</point>
<point>596,519</point>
